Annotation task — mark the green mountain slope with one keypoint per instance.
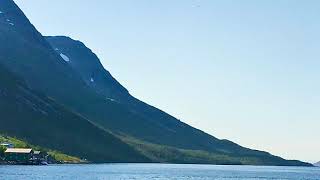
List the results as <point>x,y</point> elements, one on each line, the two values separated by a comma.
<point>71,75</point>
<point>41,121</point>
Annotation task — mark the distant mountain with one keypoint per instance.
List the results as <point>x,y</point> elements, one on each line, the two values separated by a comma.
<point>317,164</point>
<point>87,99</point>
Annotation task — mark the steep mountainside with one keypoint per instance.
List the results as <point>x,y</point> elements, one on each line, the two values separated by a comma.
<point>41,121</point>
<point>165,128</point>
<point>172,132</point>
<point>70,74</point>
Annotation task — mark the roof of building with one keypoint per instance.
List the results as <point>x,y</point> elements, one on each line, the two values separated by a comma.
<point>18,150</point>
<point>5,144</point>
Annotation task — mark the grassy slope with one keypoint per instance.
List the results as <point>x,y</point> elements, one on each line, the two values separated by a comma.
<point>58,156</point>
<point>167,154</point>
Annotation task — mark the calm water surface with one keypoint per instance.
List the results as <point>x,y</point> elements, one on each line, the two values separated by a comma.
<point>157,172</point>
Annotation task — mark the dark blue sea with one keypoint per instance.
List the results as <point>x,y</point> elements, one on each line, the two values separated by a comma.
<point>157,172</point>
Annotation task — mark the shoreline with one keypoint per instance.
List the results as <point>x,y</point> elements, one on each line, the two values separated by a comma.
<point>92,163</point>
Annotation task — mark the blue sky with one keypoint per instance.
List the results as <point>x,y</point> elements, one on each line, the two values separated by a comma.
<point>244,70</point>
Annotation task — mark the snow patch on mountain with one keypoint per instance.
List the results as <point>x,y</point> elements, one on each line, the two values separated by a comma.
<point>110,99</point>
<point>64,57</point>
<point>91,80</point>
<point>9,21</point>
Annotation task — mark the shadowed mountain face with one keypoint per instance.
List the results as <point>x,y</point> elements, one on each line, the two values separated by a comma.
<point>72,75</point>
<point>41,121</point>
<point>317,164</point>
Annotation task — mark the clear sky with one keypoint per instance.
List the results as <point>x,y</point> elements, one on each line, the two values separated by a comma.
<point>244,70</point>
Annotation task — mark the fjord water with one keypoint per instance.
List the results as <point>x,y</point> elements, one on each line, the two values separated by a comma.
<point>158,172</point>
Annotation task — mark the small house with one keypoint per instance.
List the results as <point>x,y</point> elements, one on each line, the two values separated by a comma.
<point>7,145</point>
<point>40,156</point>
<point>19,155</point>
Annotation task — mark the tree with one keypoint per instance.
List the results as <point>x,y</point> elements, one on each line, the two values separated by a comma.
<point>2,150</point>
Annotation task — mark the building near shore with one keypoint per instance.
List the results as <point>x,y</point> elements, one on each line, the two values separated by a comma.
<point>19,155</point>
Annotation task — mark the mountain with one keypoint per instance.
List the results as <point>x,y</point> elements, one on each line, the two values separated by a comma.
<point>27,54</point>
<point>72,77</point>
<point>163,129</point>
<point>317,164</point>
<point>173,133</point>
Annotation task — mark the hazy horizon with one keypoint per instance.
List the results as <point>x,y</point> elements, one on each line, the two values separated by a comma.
<point>243,71</point>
